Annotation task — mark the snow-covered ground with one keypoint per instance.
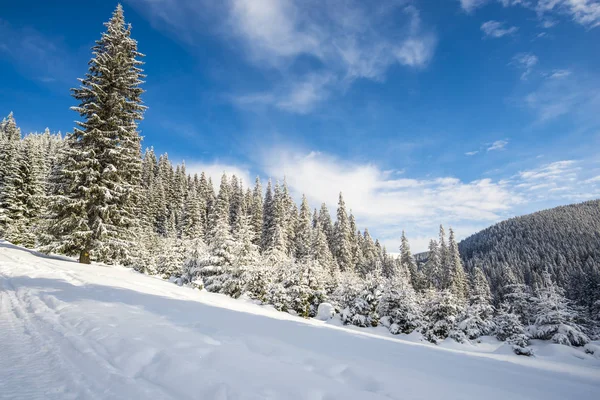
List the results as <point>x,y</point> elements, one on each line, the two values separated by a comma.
<point>71,331</point>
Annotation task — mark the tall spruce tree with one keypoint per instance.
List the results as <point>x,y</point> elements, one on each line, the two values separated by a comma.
<point>303,232</point>
<point>268,219</point>
<point>101,163</point>
<point>407,262</point>
<point>342,238</point>
<point>256,211</point>
<point>458,282</point>
<point>11,208</point>
<point>433,268</point>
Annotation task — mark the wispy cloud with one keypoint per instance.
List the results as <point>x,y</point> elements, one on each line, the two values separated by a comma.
<point>560,73</point>
<point>525,62</point>
<point>496,29</point>
<point>497,145</point>
<point>298,96</point>
<point>584,12</point>
<point>471,5</point>
<point>553,171</point>
<point>593,180</point>
<point>471,153</point>
<point>347,41</point>
<point>564,93</point>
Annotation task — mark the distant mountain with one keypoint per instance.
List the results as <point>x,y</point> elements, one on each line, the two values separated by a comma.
<point>565,240</point>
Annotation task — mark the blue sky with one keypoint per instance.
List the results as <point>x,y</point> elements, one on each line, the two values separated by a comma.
<point>456,112</point>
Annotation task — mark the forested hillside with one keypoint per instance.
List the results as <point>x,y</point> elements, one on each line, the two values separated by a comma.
<point>565,241</point>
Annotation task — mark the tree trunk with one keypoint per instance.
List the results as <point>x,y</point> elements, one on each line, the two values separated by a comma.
<point>84,257</point>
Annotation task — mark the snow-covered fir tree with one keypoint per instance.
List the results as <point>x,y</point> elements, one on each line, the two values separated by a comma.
<point>457,278</point>
<point>217,267</point>
<point>342,237</point>
<point>441,310</point>
<point>432,269</point>
<point>303,234</point>
<point>11,208</point>
<point>555,318</point>
<point>399,306</point>
<point>407,263</point>
<point>101,163</point>
<point>476,320</point>
<point>256,210</point>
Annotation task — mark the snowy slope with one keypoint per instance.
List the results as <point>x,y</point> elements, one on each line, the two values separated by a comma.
<point>71,331</point>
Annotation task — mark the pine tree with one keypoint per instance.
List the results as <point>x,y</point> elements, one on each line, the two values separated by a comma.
<point>216,268</point>
<point>445,263</point>
<point>457,280</point>
<point>192,222</point>
<point>370,255</point>
<point>289,219</point>
<point>433,267</point>
<point>399,308</point>
<point>102,162</point>
<point>268,219</point>
<point>342,243</point>
<point>327,226</point>
<point>246,257</point>
<point>359,298</point>
<point>303,232</point>
<point>477,319</point>
<point>555,318</point>
<point>441,311</point>
<point>30,191</point>
<point>321,253</point>
<point>407,261</point>
<point>256,210</point>
<point>235,206</point>
<point>276,246</point>
<point>11,209</point>
<point>518,299</point>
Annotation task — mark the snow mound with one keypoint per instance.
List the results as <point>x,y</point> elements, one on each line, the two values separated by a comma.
<point>325,312</point>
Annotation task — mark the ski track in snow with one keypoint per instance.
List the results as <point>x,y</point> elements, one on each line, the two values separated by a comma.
<point>71,331</point>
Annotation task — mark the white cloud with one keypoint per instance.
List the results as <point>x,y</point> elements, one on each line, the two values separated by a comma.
<point>564,93</point>
<point>584,12</point>
<point>385,203</point>
<point>297,96</point>
<point>560,73</point>
<point>471,153</point>
<point>470,5</point>
<point>553,171</point>
<point>525,62</point>
<point>564,181</point>
<point>496,29</point>
<point>593,180</point>
<point>348,41</point>
<point>498,145</point>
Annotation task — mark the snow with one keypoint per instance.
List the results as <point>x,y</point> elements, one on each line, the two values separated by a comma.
<point>325,312</point>
<point>72,331</point>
